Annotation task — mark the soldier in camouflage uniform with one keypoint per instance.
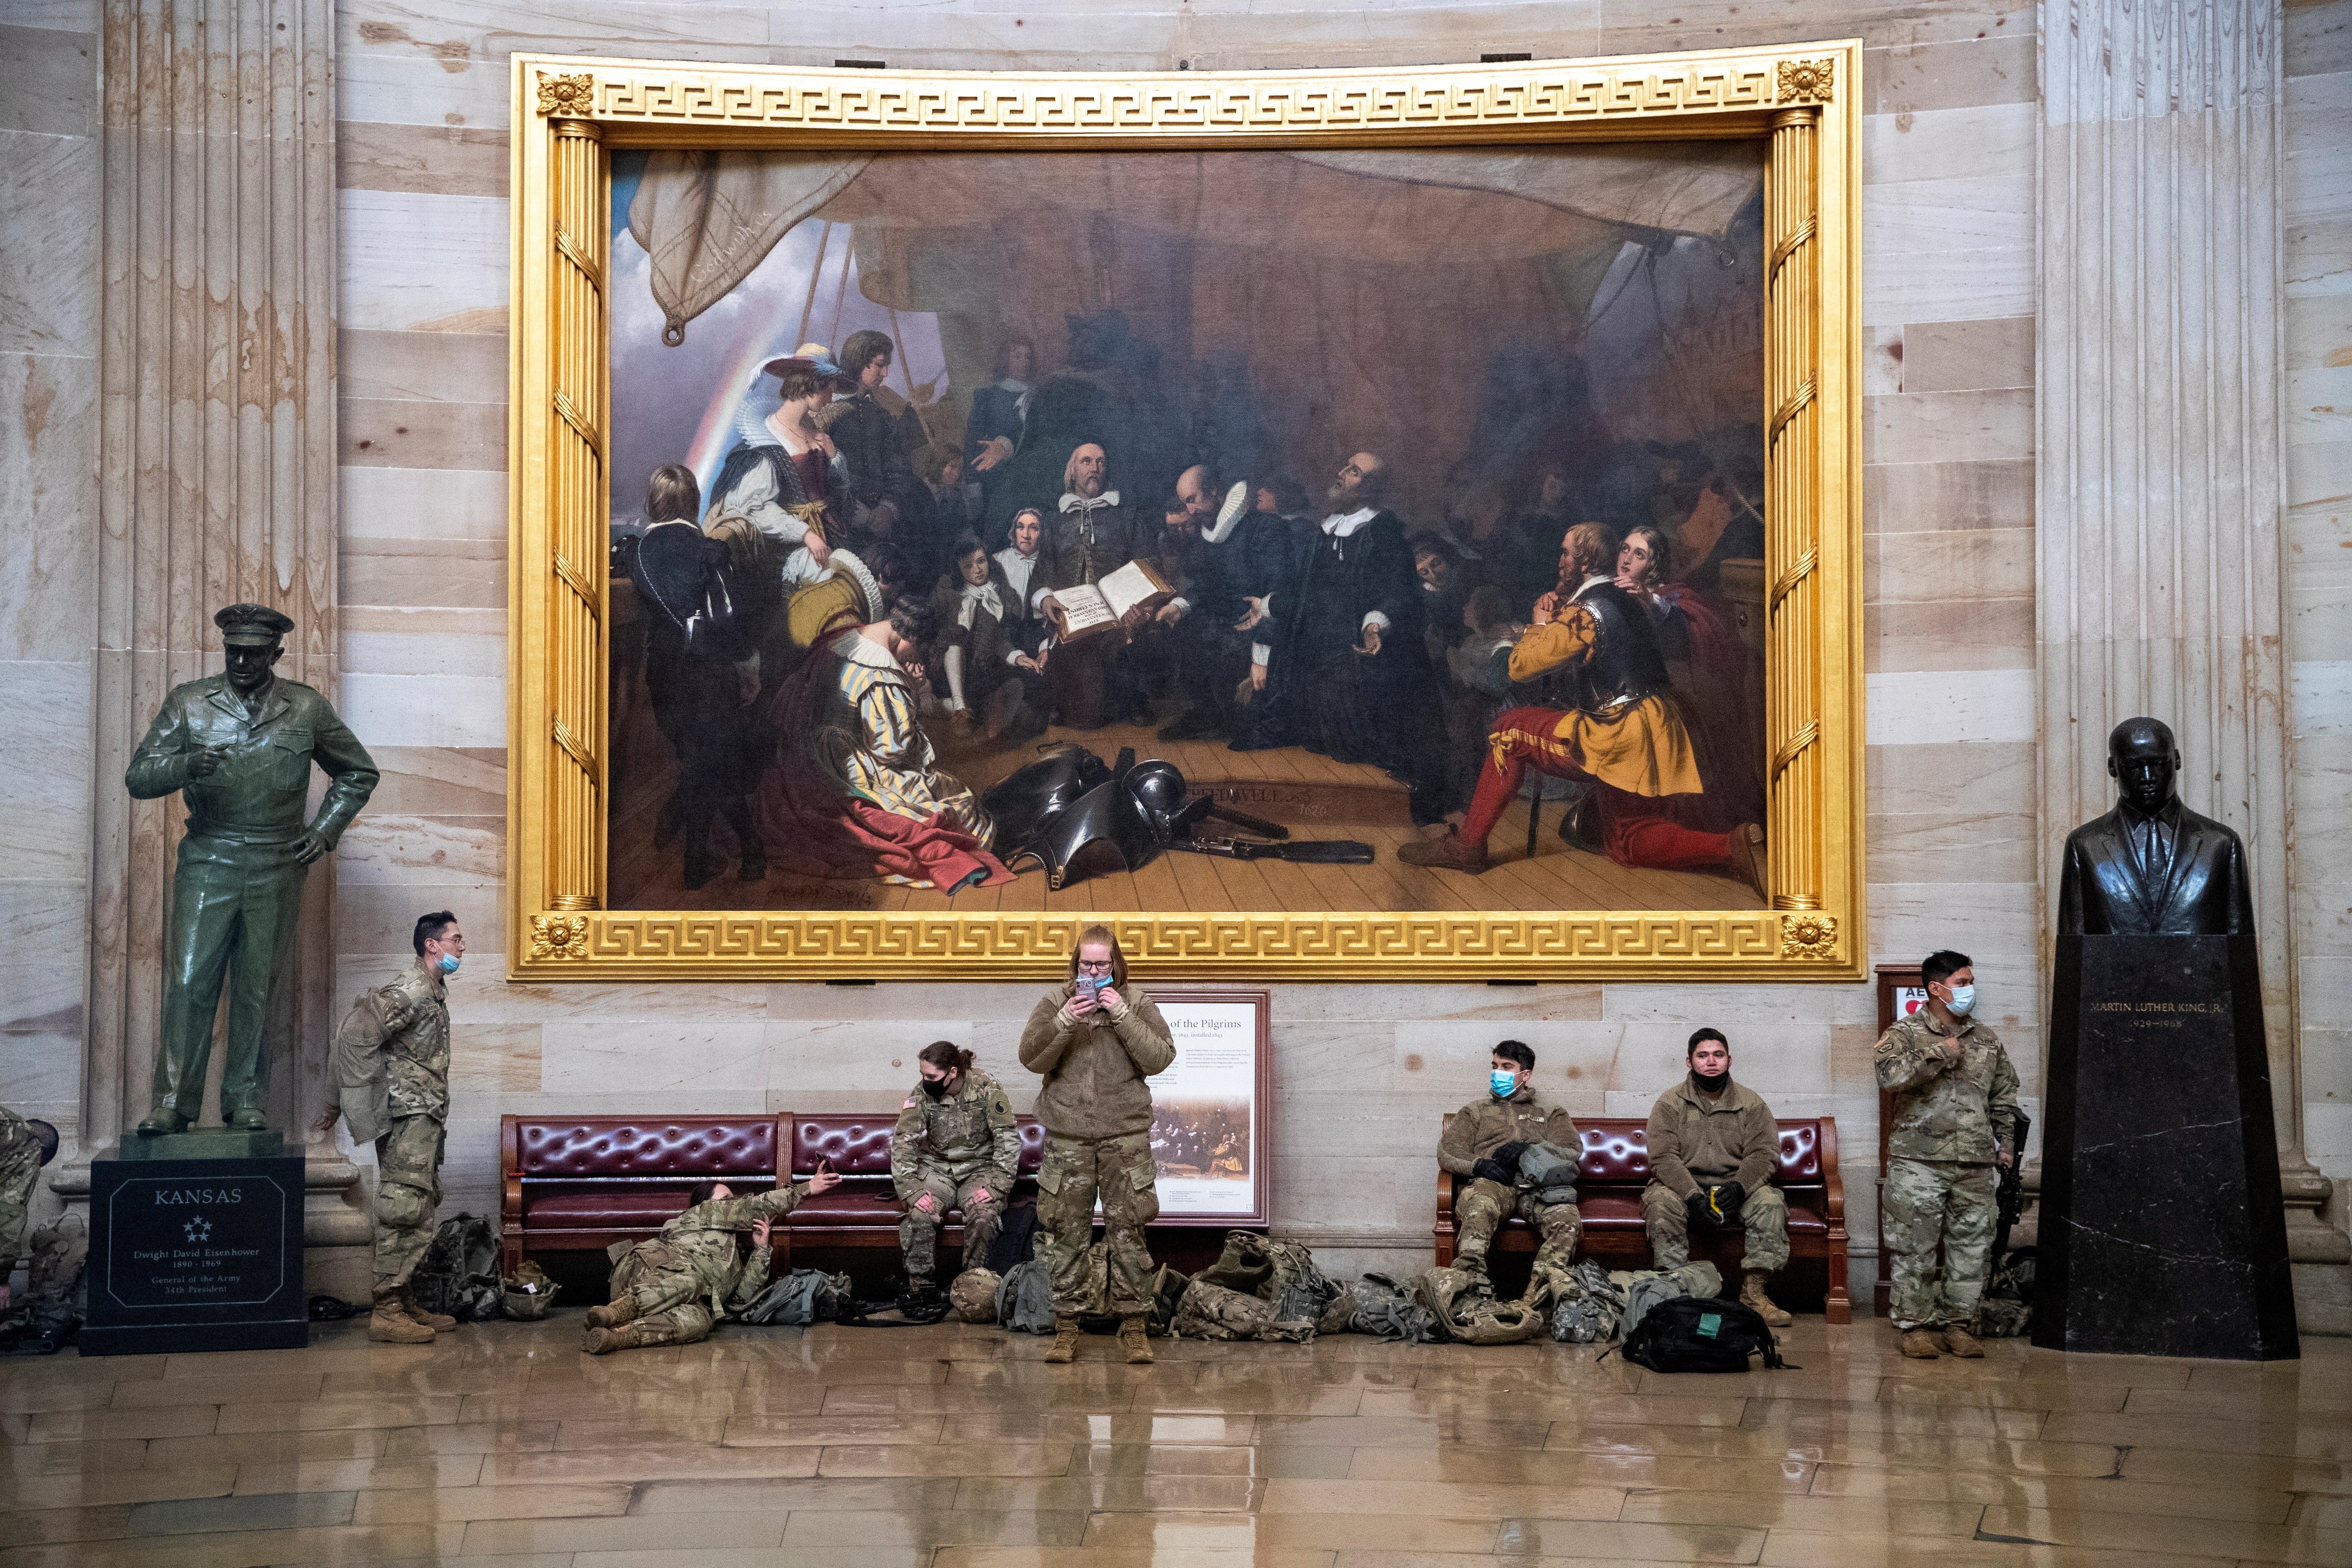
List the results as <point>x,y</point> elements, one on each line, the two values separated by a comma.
<point>956,1147</point>
<point>1482,1145</point>
<point>392,1082</point>
<point>1096,1040</point>
<point>672,1289</point>
<point>1954,1129</point>
<point>25,1147</point>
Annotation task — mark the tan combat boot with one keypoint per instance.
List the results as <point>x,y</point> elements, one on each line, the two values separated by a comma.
<point>629,1336</point>
<point>613,1314</point>
<point>390,1324</point>
<point>439,1322</point>
<point>1922,1344</point>
<point>1064,1348</point>
<point>1136,1340</point>
<point>1751,1296</point>
<point>1961,1342</point>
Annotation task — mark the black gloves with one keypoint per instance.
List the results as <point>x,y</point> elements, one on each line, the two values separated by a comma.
<point>1493,1171</point>
<point>1508,1156</point>
<point>1717,1204</point>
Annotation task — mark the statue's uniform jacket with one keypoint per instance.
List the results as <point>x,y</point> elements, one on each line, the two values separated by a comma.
<point>238,887</point>
<point>1951,1119</point>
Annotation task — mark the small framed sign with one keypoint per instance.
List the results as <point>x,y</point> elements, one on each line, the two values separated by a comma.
<point>1209,1110</point>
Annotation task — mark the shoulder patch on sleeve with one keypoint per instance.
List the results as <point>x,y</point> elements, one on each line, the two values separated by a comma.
<point>910,1105</point>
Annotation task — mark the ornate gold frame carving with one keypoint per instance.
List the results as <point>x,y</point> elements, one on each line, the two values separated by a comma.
<point>1800,98</point>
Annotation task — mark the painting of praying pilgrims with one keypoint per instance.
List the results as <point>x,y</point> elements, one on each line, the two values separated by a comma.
<point>1188,531</point>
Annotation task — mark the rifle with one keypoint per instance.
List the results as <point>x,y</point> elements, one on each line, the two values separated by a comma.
<point>2009,1195</point>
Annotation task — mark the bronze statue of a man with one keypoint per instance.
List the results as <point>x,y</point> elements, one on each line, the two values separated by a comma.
<point>2152,867</point>
<point>241,745</point>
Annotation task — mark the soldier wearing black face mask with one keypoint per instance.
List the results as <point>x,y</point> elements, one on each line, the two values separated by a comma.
<point>956,1147</point>
<point>1714,1146</point>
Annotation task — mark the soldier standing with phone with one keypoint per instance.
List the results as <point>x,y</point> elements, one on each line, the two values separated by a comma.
<point>1096,1040</point>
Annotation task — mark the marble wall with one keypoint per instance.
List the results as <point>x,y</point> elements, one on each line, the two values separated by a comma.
<point>1362,1070</point>
<point>48,541</point>
<point>2316,202</point>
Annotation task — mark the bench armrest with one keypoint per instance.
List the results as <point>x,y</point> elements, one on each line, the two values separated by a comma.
<point>1832,1183</point>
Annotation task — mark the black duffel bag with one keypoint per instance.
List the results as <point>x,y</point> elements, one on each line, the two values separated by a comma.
<point>1700,1333</point>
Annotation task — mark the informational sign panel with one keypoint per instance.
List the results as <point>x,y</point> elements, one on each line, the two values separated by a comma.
<point>1210,1109</point>
<point>195,1254</point>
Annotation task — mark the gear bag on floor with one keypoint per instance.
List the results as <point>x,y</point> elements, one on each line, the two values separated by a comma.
<point>1025,1298</point>
<point>1282,1273</point>
<point>459,1271</point>
<point>1466,1312</point>
<point>1645,1289</point>
<point>802,1297</point>
<point>1214,1313</point>
<point>1696,1333</point>
<point>1585,1306</point>
<point>1389,1308</point>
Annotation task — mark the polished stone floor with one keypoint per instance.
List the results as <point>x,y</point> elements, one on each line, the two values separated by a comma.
<point>954,1448</point>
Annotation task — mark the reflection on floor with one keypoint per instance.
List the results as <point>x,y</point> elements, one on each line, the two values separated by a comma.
<point>955,1448</point>
<point>1312,796</point>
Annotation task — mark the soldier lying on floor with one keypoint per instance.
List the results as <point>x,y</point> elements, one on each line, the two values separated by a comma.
<point>671,1290</point>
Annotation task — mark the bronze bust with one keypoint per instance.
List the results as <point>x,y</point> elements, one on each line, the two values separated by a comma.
<point>2152,867</point>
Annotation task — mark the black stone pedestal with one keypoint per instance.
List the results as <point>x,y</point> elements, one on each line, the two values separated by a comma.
<point>194,1255</point>
<point>2162,1232</point>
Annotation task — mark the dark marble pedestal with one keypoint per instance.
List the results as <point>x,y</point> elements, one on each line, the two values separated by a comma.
<point>2162,1231</point>
<point>194,1255</point>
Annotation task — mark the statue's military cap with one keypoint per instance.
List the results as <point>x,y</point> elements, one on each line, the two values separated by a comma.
<point>252,625</point>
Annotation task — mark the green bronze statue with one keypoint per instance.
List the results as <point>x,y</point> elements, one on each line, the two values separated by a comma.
<point>241,745</point>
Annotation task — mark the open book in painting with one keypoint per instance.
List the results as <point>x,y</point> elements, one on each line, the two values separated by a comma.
<point>1090,608</point>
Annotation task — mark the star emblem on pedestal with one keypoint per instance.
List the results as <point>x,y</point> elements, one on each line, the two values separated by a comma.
<point>198,1229</point>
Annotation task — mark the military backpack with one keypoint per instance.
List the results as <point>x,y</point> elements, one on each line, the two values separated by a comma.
<point>1586,1305</point>
<point>1210,1311</point>
<point>1465,1312</point>
<point>459,1271</point>
<point>802,1297</point>
<point>1024,1298</point>
<point>1694,1333</point>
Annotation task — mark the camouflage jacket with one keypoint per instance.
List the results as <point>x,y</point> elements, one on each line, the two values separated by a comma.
<point>1963,1111</point>
<point>703,1241</point>
<point>407,1022</point>
<point>1484,1126</point>
<point>961,1133</point>
<point>20,1167</point>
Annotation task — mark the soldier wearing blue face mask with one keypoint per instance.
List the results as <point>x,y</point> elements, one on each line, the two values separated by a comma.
<point>1953,1131</point>
<point>390,1075</point>
<point>1482,1145</point>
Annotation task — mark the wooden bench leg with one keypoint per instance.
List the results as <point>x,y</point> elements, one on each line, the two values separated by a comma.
<point>1838,1306</point>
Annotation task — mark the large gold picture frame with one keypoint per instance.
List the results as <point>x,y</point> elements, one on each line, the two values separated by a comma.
<point>570,113</point>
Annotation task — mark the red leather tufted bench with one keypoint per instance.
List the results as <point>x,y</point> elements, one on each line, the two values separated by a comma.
<point>582,1182</point>
<point>1616,1167</point>
<point>864,1210</point>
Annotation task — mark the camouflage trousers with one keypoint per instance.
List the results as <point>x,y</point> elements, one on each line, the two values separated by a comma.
<point>1480,1210</point>
<point>670,1308</point>
<point>408,1191</point>
<point>1764,1213</point>
<point>1929,1201</point>
<point>918,1233</point>
<point>1121,1172</point>
<point>20,1163</point>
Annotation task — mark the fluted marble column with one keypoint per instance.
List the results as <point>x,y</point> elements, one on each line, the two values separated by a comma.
<point>216,473</point>
<point>2160,470</point>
